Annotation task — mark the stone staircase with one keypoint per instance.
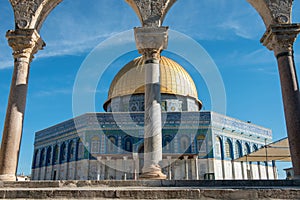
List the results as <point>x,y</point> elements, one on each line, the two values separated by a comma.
<point>255,189</point>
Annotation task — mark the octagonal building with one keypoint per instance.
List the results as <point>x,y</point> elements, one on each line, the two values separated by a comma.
<point>109,145</point>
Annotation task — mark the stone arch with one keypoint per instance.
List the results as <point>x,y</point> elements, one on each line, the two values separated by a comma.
<point>32,14</point>
<point>273,12</point>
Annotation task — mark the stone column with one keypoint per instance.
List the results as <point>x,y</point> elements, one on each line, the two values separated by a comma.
<point>150,42</point>
<point>169,158</point>
<point>186,167</point>
<point>196,166</point>
<point>25,43</point>
<point>280,39</point>
<point>135,165</point>
<point>125,167</point>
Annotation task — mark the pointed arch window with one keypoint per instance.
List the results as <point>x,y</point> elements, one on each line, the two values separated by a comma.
<point>42,157</point>
<point>218,147</point>
<point>48,157</point>
<point>228,149</point>
<point>56,153</point>
<point>128,144</point>
<point>63,152</point>
<point>238,150</point>
<point>95,145</point>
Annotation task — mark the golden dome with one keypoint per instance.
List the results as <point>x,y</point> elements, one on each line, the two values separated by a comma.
<point>173,79</point>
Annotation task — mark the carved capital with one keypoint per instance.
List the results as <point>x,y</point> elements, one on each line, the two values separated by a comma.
<point>151,41</point>
<point>24,42</point>
<point>151,12</point>
<point>281,38</point>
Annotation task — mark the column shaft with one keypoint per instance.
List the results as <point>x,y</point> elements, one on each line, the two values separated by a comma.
<point>152,140</point>
<point>291,101</point>
<point>280,38</point>
<point>24,43</point>
<point>150,42</point>
<point>153,128</point>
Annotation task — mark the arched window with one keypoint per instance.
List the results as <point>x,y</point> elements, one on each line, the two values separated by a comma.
<point>255,148</point>
<point>63,152</point>
<point>80,152</point>
<point>228,149</point>
<point>128,144</point>
<point>167,143</point>
<point>71,151</point>
<point>238,150</point>
<point>35,159</point>
<point>218,147</point>
<point>111,144</point>
<point>55,155</point>
<point>48,157</point>
<point>246,149</point>
<point>95,145</point>
<point>42,157</point>
<point>201,144</point>
<point>184,144</point>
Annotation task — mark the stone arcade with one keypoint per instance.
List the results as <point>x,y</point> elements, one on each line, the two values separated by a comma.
<point>25,42</point>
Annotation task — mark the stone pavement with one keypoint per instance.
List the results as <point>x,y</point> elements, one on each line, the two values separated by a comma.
<point>151,190</point>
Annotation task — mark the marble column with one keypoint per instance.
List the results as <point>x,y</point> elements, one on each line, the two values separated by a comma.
<point>150,42</point>
<point>135,165</point>
<point>186,168</point>
<point>196,166</point>
<point>169,167</point>
<point>25,43</point>
<point>280,39</point>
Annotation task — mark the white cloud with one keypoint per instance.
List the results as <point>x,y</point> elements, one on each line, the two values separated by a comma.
<point>54,92</point>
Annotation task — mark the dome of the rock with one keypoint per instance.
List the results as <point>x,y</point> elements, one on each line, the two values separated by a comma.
<point>176,84</point>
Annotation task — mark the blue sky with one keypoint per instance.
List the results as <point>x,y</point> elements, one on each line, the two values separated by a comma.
<point>229,30</point>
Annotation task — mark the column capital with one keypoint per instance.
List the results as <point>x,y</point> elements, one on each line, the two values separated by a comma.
<point>151,13</point>
<point>280,38</point>
<point>150,41</point>
<point>24,42</point>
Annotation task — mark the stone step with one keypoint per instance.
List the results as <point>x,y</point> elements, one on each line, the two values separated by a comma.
<point>150,190</point>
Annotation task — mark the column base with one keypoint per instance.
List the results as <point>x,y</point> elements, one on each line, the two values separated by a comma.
<point>153,173</point>
<point>8,177</point>
<point>153,176</point>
